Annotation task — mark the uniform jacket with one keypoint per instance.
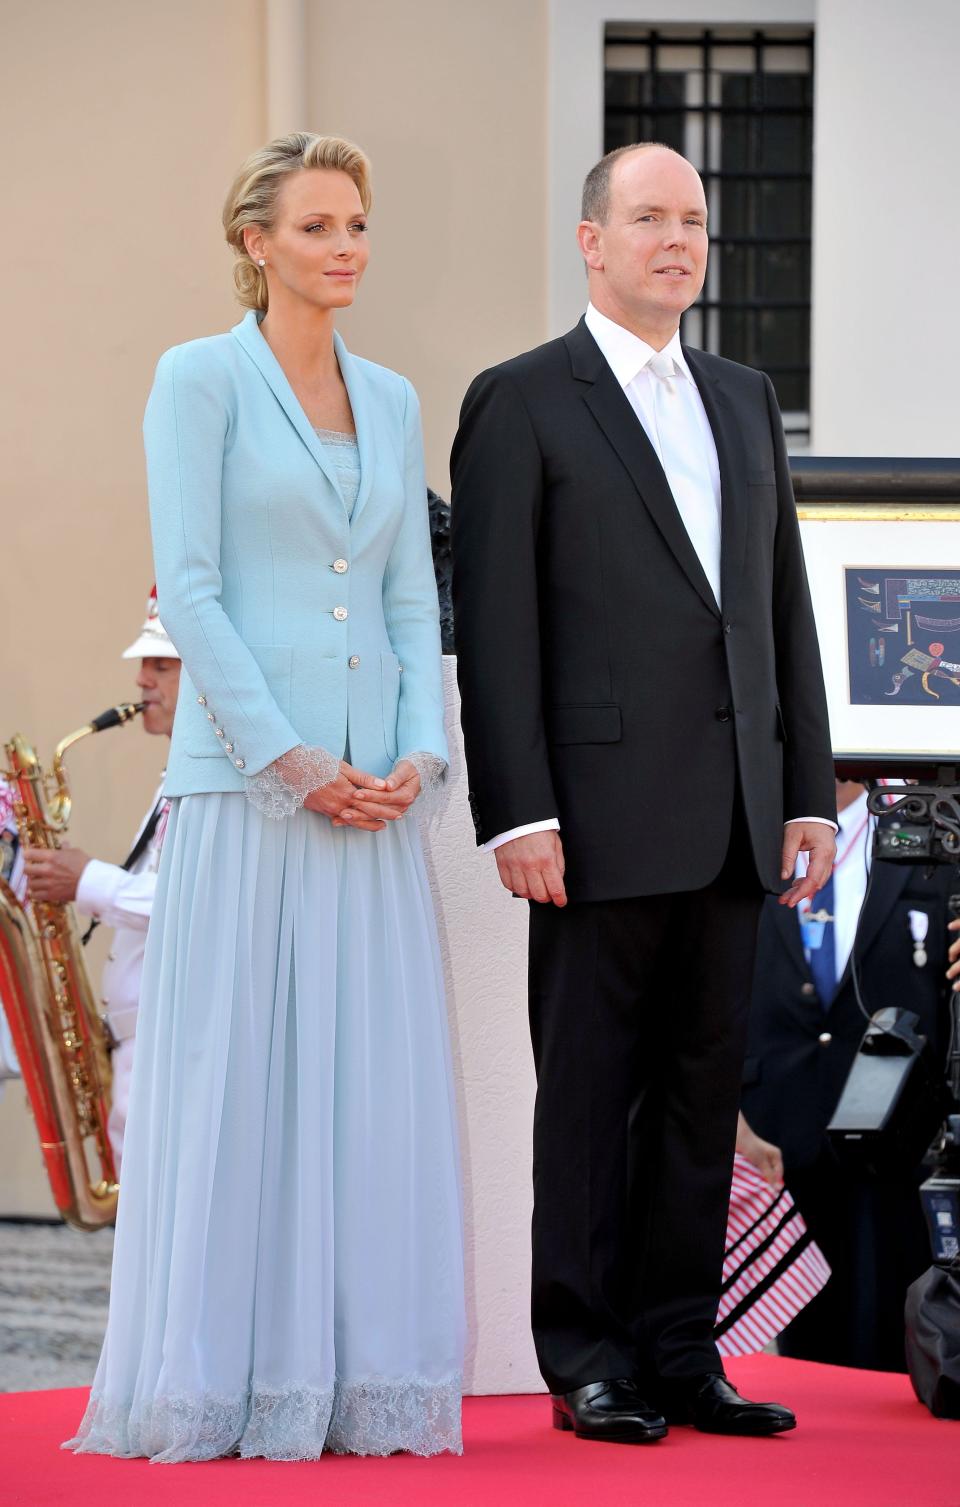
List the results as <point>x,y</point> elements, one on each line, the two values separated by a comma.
<point>799,1054</point>
<point>294,623</point>
<point>601,683</point>
<point>123,898</point>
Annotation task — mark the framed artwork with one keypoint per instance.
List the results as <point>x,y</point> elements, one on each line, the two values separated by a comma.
<point>885,582</point>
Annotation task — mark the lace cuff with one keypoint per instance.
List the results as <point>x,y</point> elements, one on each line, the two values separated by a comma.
<point>433,773</point>
<point>281,788</point>
<point>431,769</point>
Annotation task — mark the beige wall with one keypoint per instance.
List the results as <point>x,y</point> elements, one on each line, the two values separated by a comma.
<point>886,228</point>
<point>123,124</point>
<point>449,99</point>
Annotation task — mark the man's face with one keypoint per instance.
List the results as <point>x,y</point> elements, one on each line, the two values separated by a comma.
<point>158,683</point>
<point>650,258</point>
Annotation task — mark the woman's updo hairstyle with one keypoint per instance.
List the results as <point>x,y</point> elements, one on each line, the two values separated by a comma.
<point>253,195</point>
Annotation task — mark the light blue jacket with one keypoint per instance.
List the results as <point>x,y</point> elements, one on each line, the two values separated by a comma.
<point>294,623</point>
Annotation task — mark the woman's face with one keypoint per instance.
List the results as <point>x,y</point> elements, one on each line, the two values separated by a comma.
<point>318,247</point>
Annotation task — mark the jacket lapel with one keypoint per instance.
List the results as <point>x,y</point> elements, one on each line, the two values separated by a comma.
<point>352,374</point>
<point>887,883</point>
<point>248,335</point>
<point>733,513</point>
<point>611,408</point>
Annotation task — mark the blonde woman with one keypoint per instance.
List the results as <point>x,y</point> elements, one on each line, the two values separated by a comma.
<point>287,1273</point>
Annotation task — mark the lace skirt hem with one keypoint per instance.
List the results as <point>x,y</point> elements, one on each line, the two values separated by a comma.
<point>371,1417</point>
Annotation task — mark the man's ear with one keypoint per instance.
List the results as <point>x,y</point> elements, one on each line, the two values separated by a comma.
<point>589,237</point>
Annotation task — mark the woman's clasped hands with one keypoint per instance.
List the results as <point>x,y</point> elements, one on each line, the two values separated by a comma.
<point>365,801</point>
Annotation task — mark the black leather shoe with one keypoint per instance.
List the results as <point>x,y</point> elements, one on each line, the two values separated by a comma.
<point>712,1405</point>
<point>611,1410</point>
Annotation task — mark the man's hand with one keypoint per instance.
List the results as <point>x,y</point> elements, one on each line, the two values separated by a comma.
<point>532,867</point>
<point>820,842</point>
<point>763,1155</point>
<point>953,972</point>
<point>54,873</point>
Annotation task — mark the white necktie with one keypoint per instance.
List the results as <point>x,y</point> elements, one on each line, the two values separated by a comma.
<point>664,367</point>
<point>683,455</point>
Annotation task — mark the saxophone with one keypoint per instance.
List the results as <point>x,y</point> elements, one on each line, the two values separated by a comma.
<point>59,1036</point>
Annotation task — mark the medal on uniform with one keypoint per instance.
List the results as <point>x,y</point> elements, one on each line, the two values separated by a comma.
<point>812,927</point>
<point>919,926</point>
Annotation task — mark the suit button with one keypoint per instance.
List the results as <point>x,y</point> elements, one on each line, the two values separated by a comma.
<point>201,701</point>
<point>341,567</point>
<point>807,990</point>
<point>723,714</point>
<point>341,614</point>
<point>240,763</point>
<point>354,661</point>
<point>824,1038</point>
<point>221,733</point>
<point>228,747</point>
<point>211,717</point>
<point>727,627</point>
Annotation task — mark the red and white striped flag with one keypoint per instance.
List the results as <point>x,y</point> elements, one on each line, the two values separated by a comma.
<point>771,1266</point>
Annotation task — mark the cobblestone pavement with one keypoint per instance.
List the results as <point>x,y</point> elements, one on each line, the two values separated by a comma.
<point>54,1283</point>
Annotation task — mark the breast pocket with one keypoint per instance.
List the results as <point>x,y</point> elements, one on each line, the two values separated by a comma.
<point>390,697</point>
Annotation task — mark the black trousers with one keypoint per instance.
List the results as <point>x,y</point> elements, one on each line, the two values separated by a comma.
<point>638,1012</point>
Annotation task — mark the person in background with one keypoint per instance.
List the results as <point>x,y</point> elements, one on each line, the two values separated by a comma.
<point>804,1032</point>
<point>121,895</point>
<point>11,873</point>
<point>771,1265</point>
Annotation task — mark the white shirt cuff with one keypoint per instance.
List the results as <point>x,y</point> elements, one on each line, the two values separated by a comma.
<point>115,896</point>
<point>813,821</point>
<point>550,825</point>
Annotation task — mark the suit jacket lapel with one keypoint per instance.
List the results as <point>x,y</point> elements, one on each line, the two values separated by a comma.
<point>352,374</point>
<point>733,512</point>
<point>887,883</point>
<point>249,336</point>
<point>611,408</point>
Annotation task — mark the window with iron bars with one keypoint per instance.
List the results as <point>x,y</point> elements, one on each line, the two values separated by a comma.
<point>738,103</point>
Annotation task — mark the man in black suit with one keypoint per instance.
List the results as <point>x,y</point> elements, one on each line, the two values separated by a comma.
<point>643,708</point>
<point>805,1028</point>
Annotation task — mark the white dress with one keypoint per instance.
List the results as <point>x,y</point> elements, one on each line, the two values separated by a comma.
<point>287,1273</point>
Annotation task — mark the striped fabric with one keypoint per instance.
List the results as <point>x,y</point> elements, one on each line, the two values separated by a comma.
<point>771,1267</point>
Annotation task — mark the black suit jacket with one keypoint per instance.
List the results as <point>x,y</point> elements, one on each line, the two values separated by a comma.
<point>792,1076</point>
<point>600,681</point>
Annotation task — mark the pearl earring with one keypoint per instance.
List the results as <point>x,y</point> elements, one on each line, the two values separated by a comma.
<point>261,263</point>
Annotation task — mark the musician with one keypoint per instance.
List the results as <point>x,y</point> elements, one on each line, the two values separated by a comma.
<point>121,895</point>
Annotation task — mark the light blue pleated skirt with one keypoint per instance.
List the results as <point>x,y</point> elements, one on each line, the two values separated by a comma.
<point>287,1274</point>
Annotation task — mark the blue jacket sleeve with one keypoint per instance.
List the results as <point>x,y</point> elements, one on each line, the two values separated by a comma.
<point>410,605</point>
<point>185,429</point>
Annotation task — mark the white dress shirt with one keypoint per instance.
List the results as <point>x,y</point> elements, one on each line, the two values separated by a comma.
<point>850,875</point>
<point>675,422</point>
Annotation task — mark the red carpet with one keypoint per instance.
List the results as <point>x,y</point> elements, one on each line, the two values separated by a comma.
<point>863,1441</point>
